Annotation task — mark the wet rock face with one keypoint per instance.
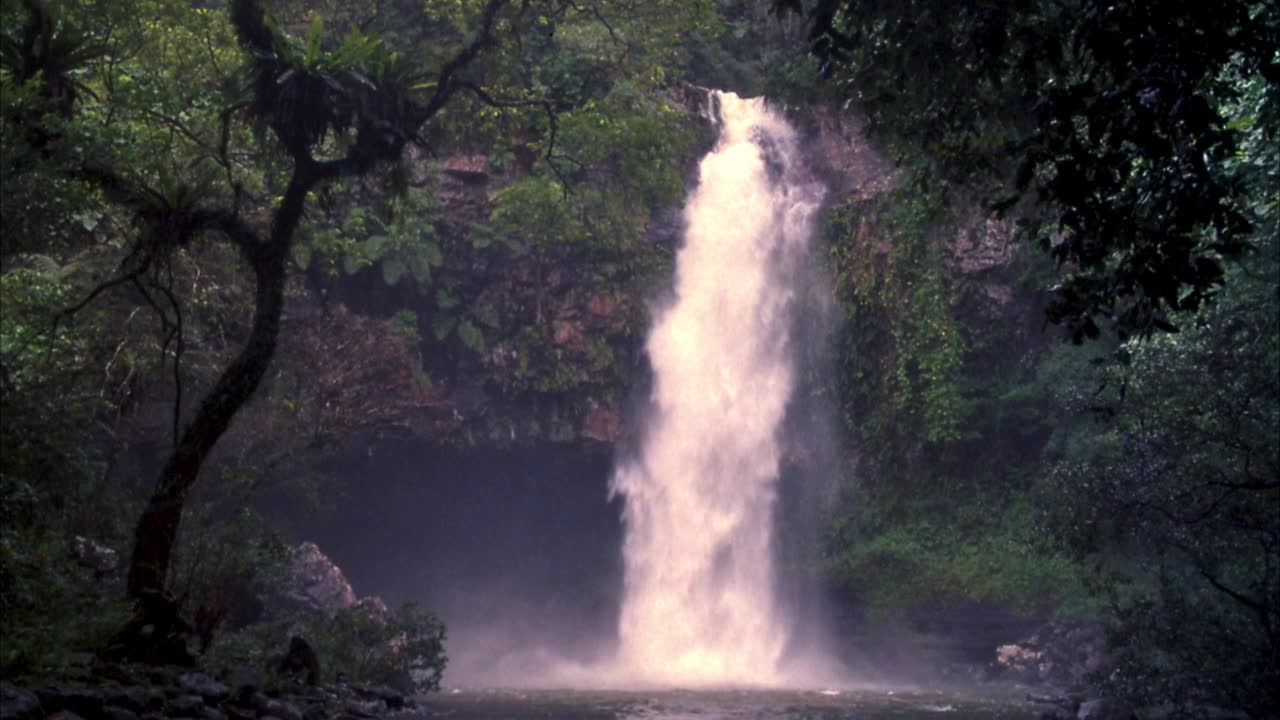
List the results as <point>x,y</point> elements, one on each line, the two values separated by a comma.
<point>1060,653</point>
<point>318,583</point>
<point>602,424</point>
<point>665,228</point>
<point>841,157</point>
<point>556,327</point>
<point>95,556</point>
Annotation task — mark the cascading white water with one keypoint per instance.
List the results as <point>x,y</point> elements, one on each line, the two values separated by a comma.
<point>699,605</point>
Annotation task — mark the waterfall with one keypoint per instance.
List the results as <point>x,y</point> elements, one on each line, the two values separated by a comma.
<point>699,604</point>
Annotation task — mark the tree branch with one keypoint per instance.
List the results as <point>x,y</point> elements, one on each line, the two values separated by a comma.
<point>444,82</point>
<point>492,101</point>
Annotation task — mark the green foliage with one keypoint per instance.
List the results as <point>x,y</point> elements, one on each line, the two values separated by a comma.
<point>987,547</point>
<point>33,350</point>
<point>471,336</point>
<point>1156,475</point>
<point>304,92</point>
<point>1172,497</point>
<point>405,322</point>
<point>51,608</point>
<point>227,559</point>
<point>536,210</point>
<point>901,346</point>
<point>621,153</point>
<point>53,487</point>
<point>1110,124</point>
<point>405,649</point>
<point>947,419</point>
<point>750,50</point>
<point>400,238</point>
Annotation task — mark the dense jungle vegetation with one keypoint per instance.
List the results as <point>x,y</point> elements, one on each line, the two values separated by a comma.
<point>239,237</point>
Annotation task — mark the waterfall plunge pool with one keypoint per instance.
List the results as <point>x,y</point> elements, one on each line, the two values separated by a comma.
<point>864,704</point>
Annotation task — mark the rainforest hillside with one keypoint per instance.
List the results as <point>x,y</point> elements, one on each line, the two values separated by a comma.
<point>255,254</point>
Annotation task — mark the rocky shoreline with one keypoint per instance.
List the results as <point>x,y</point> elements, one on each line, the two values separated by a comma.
<point>116,692</point>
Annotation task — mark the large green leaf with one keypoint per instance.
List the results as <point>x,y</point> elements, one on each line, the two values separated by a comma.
<point>376,246</point>
<point>432,254</point>
<point>392,269</point>
<point>314,36</point>
<point>420,269</point>
<point>471,336</point>
<point>445,300</point>
<point>353,263</point>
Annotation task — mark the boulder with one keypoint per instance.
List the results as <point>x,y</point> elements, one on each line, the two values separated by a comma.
<point>95,556</point>
<point>381,693</point>
<point>1104,709</point>
<point>260,702</point>
<point>1060,653</point>
<point>161,675</point>
<point>188,705</point>
<point>112,671</point>
<point>317,582</point>
<point>18,704</point>
<point>282,710</point>
<point>364,708</point>
<point>235,712</point>
<point>114,712</point>
<point>206,687</point>
<point>137,699</point>
<point>1023,661</point>
<point>246,681</point>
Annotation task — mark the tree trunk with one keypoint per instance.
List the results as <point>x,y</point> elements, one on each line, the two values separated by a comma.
<point>158,527</point>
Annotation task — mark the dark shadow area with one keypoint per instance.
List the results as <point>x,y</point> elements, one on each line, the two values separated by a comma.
<point>518,551</point>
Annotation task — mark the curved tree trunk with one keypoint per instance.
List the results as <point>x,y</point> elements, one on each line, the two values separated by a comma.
<point>157,529</point>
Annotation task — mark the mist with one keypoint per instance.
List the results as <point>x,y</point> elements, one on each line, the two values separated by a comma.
<point>517,551</point>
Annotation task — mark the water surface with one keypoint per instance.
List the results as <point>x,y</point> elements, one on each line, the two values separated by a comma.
<point>724,705</point>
